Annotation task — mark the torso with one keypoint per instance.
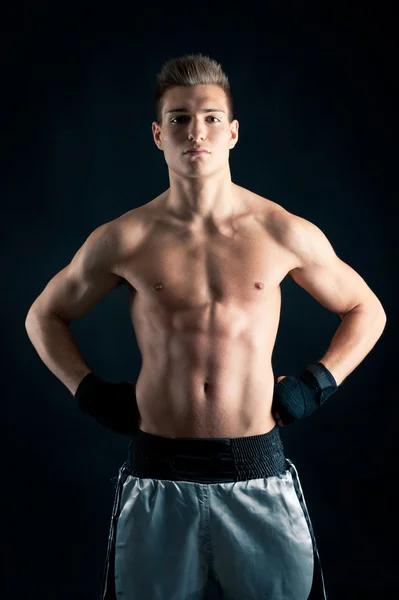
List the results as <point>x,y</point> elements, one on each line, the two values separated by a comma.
<point>205,307</point>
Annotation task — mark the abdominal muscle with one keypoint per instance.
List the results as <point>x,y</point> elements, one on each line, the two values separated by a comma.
<point>193,394</point>
<point>205,305</point>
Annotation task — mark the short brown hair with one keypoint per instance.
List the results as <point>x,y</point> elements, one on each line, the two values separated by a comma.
<point>188,70</point>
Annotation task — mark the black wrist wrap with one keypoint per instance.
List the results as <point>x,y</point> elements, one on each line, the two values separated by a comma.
<point>114,405</point>
<point>297,397</point>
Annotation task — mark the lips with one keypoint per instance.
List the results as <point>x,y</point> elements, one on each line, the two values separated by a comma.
<point>197,152</point>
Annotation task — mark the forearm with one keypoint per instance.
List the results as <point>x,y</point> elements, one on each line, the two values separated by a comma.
<point>57,348</point>
<point>357,334</point>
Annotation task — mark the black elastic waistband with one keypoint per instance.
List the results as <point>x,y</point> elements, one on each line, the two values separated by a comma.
<point>206,459</point>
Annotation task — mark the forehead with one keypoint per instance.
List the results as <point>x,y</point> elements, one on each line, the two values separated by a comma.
<point>195,96</point>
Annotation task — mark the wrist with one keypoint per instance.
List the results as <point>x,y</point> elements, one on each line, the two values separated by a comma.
<point>74,387</point>
<point>322,375</point>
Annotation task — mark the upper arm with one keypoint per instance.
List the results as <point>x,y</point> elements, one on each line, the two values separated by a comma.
<point>331,281</point>
<point>74,290</point>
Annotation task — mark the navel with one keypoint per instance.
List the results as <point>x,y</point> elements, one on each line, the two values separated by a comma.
<point>259,285</point>
<point>159,286</point>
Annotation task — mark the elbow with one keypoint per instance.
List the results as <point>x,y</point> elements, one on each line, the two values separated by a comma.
<point>28,318</point>
<point>374,309</point>
<point>34,316</point>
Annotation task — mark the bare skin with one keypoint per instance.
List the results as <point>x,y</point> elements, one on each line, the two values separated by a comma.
<point>204,262</point>
<point>205,306</point>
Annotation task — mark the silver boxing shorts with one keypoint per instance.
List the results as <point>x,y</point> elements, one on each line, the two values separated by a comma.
<point>208,519</point>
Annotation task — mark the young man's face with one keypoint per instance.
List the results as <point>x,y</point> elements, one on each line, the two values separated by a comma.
<point>182,130</point>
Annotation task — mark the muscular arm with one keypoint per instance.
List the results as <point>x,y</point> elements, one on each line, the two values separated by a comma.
<point>340,289</point>
<point>69,295</point>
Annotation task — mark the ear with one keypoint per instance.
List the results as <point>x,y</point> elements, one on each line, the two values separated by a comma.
<point>156,132</point>
<point>234,125</point>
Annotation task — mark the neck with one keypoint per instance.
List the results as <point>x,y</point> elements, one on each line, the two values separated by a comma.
<point>202,198</point>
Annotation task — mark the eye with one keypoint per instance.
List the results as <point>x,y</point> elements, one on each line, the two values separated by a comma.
<point>186,117</point>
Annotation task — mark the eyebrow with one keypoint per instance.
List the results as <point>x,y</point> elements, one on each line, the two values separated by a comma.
<point>204,110</point>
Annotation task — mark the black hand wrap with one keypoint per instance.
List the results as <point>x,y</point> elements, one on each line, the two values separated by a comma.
<point>114,405</point>
<point>297,397</point>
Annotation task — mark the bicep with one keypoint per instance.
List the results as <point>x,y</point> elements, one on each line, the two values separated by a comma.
<point>89,277</point>
<point>327,278</point>
<point>335,285</point>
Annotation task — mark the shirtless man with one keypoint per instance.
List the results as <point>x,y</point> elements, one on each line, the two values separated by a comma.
<point>206,503</point>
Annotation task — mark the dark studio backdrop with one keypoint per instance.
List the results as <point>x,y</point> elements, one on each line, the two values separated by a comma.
<point>315,97</point>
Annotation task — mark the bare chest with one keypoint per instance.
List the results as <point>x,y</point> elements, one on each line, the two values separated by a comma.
<point>175,268</point>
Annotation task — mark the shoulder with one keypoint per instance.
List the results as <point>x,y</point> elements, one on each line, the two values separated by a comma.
<point>295,230</point>
<point>138,216</point>
<point>128,231</point>
<point>297,235</point>
<point>307,242</point>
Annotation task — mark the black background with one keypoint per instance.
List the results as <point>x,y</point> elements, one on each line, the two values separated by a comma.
<point>315,95</point>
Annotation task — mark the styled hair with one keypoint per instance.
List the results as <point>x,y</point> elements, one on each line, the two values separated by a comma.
<point>188,70</point>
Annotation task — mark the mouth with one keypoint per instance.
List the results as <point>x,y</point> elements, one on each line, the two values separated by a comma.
<point>197,152</point>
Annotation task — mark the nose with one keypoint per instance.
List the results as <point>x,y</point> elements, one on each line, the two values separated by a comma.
<point>196,130</point>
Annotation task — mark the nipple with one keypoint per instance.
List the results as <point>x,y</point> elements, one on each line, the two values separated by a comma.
<point>159,286</point>
<point>259,285</point>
